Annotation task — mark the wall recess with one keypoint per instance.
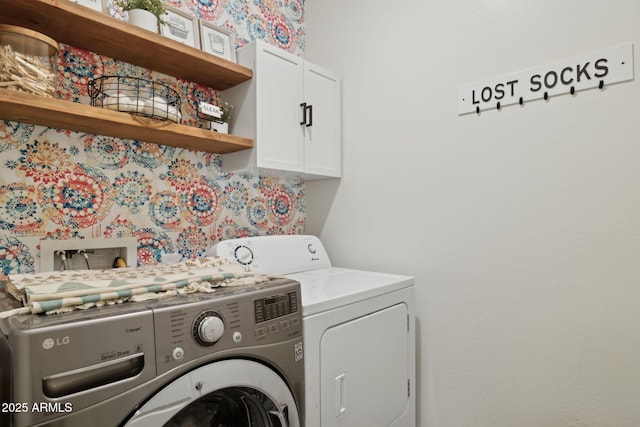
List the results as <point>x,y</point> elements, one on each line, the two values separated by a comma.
<point>597,69</point>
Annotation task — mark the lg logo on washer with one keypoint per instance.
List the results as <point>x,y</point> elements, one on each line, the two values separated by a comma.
<point>49,343</point>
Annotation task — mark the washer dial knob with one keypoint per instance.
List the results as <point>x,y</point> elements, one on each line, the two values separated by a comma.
<point>208,328</point>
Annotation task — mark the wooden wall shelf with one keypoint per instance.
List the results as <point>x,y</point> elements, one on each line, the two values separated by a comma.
<point>79,26</point>
<point>55,113</point>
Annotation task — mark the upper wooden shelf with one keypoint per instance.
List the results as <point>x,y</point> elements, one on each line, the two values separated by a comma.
<point>55,113</point>
<point>79,26</point>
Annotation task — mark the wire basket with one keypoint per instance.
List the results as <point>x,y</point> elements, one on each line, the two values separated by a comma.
<point>136,96</point>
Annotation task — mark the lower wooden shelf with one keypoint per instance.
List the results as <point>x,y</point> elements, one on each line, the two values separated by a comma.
<point>55,113</point>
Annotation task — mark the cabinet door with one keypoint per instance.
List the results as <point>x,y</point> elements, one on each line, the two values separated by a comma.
<point>322,139</point>
<point>278,98</point>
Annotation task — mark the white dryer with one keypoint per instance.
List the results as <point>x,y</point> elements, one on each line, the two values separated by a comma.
<point>358,332</point>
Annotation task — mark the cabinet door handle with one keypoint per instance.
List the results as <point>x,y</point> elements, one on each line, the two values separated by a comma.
<point>306,108</point>
<point>310,107</point>
<point>304,113</point>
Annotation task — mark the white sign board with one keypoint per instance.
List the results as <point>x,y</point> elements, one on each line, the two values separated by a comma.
<point>605,67</point>
<point>210,110</point>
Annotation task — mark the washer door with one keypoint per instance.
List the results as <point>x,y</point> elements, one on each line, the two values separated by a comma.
<point>228,393</point>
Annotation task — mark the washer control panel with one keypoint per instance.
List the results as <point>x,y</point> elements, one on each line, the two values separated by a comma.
<point>275,306</point>
<point>203,325</point>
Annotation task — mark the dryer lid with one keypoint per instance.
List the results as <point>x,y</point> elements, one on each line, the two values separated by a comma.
<point>334,287</point>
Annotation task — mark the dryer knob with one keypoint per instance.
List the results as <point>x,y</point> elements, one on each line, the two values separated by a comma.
<point>210,329</point>
<point>243,255</point>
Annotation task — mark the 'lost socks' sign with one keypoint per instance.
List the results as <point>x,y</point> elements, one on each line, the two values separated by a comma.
<point>569,76</point>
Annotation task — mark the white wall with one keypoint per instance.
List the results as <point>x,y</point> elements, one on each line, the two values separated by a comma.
<point>522,227</point>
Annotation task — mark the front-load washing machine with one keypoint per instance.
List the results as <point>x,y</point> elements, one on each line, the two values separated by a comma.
<point>231,358</point>
<point>359,335</point>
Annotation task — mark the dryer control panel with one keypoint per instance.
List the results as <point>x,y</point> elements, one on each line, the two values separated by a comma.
<point>274,254</point>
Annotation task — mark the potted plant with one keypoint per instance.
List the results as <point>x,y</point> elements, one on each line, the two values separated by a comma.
<point>144,13</point>
<point>222,124</point>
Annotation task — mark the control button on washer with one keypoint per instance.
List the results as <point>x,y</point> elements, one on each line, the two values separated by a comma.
<point>178,353</point>
<point>261,332</point>
<point>237,337</point>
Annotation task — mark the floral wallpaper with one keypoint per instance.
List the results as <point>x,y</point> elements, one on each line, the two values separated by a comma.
<point>279,22</point>
<point>58,184</point>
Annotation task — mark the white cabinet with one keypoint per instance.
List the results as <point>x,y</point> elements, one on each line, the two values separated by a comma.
<point>291,108</point>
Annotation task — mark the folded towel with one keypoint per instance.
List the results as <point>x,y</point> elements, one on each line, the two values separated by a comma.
<point>64,290</point>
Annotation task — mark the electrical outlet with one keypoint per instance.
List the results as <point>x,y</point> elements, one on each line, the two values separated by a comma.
<point>83,254</point>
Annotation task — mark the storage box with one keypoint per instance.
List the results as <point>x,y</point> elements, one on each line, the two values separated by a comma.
<point>27,61</point>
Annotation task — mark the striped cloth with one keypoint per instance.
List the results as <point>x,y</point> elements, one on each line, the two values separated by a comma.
<point>59,291</point>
